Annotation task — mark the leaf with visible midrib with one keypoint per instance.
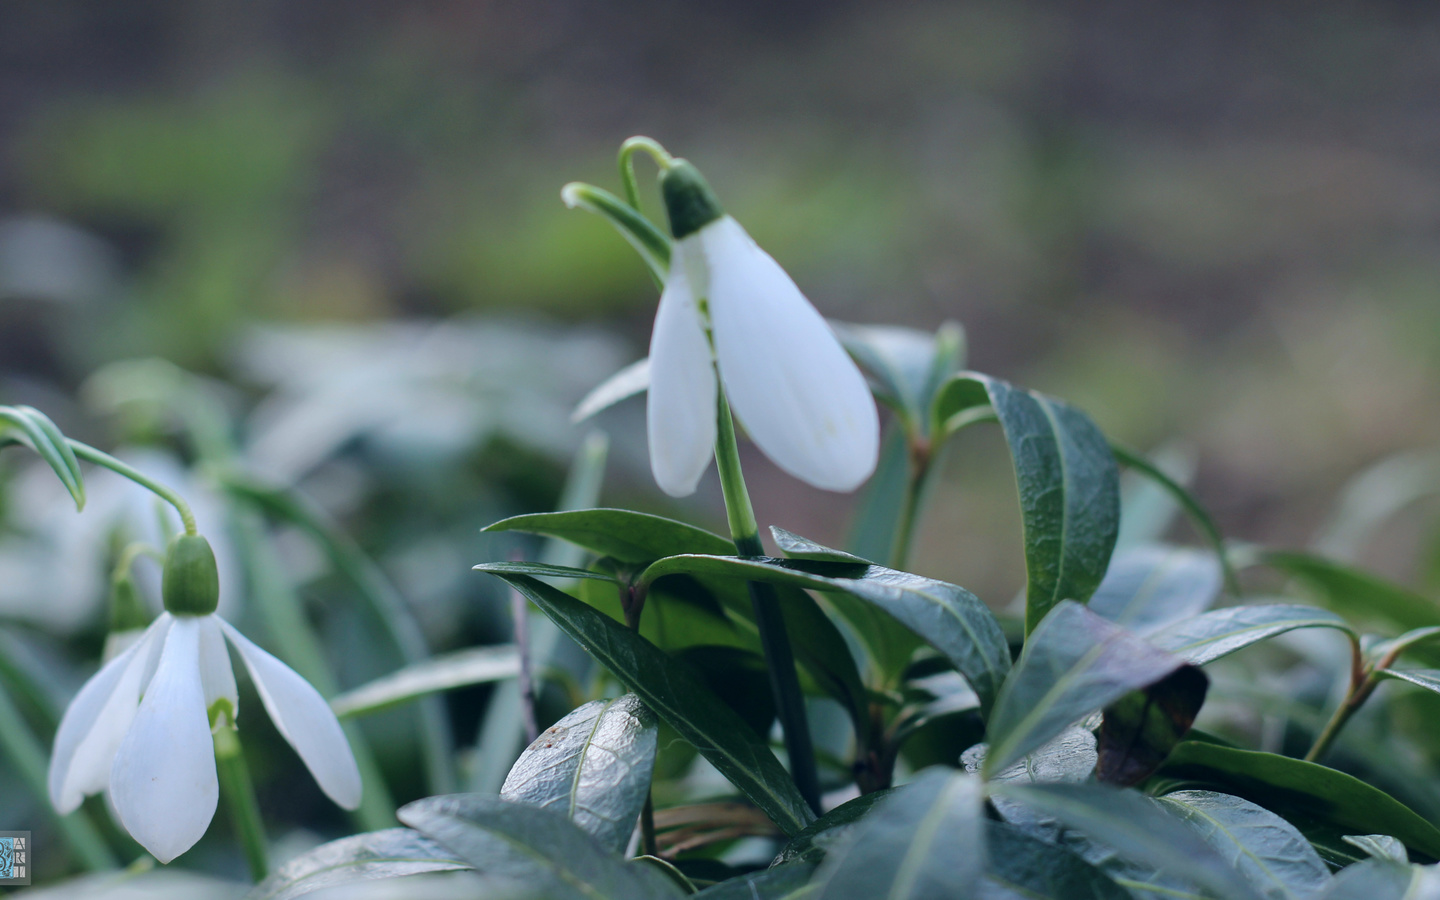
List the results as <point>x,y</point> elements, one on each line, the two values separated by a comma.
<point>1220,632</point>
<point>593,765</point>
<point>678,697</point>
<point>627,536</point>
<point>391,853</point>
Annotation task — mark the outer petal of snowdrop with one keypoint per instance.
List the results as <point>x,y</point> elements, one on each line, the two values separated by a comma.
<point>791,384</point>
<point>305,719</point>
<point>163,781</point>
<point>680,416</point>
<point>95,722</point>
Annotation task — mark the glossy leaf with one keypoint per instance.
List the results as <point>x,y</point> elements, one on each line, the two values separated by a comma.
<point>1429,679</point>
<point>1072,665</point>
<point>1265,849</point>
<point>531,851</point>
<point>1138,829</point>
<point>1068,758</point>
<point>1378,879</point>
<point>476,665</point>
<point>1379,846</point>
<point>1220,632</point>
<point>594,766</point>
<point>825,832</point>
<point>1154,585</point>
<point>679,698</point>
<point>1026,867</point>
<point>948,617</point>
<point>1141,728</point>
<point>926,840</point>
<point>31,427</point>
<point>1068,483</point>
<point>629,537</point>
<point>624,384</point>
<point>392,853</point>
<point>1310,796</point>
<point>542,570</point>
<point>768,884</point>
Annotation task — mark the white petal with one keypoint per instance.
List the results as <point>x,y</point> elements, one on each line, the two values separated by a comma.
<point>217,678</point>
<point>680,410</point>
<point>305,720</point>
<point>163,781</point>
<point>798,394</point>
<point>95,722</point>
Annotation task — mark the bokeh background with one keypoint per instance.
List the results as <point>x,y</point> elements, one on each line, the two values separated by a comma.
<point>1215,226</point>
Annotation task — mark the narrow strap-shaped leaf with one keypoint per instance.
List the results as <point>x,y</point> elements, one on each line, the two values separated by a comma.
<point>594,766</point>
<point>1354,592</point>
<point>624,384</point>
<point>627,536</point>
<point>680,699</point>
<point>820,835</point>
<point>1068,482</point>
<point>1072,665</point>
<point>650,242</point>
<point>374,855</point>
<point>34,429</point>
<point>1307,794</point>
<point>948,617</point>
<point>1209,636</point>
<point>542,570</point>
<point>926,840</point>
<point>475,665</point>
<point>532,851</point>
<point>1429,679</point>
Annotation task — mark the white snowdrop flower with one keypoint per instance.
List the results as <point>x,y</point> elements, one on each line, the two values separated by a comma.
<point>142,725</point>
<point>790,383</point>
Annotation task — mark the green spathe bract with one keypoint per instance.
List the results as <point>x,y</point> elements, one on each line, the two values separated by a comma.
<point>191,585</point>
<point>689,201</point>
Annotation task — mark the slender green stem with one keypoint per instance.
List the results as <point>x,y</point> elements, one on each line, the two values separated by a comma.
<point>627,164</point>
<point>1363,681</point>
<point>100,458</point>
<point>25,753</point>
<point>770,621</point>
<point>239,794</point>
<point>921,459</point>
<point>648,846</point>
<point>1192,507</point>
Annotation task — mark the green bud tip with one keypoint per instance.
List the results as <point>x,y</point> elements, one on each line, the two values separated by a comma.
<point>191,584</point>
<point>688,199</point>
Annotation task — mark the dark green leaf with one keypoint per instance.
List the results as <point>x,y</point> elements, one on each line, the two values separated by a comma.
<point>769,884</point>
<point>1264,848</point>
<point>627,536</point>
<point>532,851</point>
<point>948,617</point>
<point>926,840</point>
<point>820,835</point>
<point>668,869</point>
<point>1137,828</point>
<point>678,697</point>
<point>1069,488</point>
<point>542,570</point>
<point>593,766</point>
<point>1220,632</point>
<point>739,677</point>
<point>1356,594</point>
<point>31,427</point>
<point>1154,585</point>
<point>1072,665</point>
<point>476,665</point>
<point>1031,869</point>
<point>1140,729</point>
<point>1305,793</point>
<point>392,853</point>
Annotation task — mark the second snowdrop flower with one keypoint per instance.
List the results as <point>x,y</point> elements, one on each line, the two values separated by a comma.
<point>727,306</point>
<point>142,725</point>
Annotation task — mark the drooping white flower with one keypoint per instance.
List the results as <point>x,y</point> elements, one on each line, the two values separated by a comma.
<point>142,725</point>
<point>788,380</point>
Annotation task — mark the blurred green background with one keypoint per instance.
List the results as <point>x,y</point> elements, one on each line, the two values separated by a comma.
<point>1211,224</point>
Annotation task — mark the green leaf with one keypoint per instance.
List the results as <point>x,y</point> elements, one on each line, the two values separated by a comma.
<point>925,840</point>
<point>1379,846</point>
<point>392,853</point>
<point>624,384</point>
<point>819,836</point>
<point>1429,679</point>
<point>1073,664</point>
<point>1153,585</point>
<point>1310,796</point>
<point>1068,482</point>
<point>768,884</point>
<point>1354,593</point>
<point>1138,829</point>
<point>1141,728</point>
<point>629,537</point>
<point>678,697</point>
<point>905,366</point>
<point>29,426</point>
<point>1220,632</point>
<point>1379,879</point>
<point>1068,758</point>
<point>650,242</point>
<point>877,517</point>
<point>1032,869</point>
<point>948,617</point>
<point>532,851</point>
<point>1264,848</point>
<point>475,665</point>
<point>594,766</point>
<point>542,570</point>
<point>739,677</point>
